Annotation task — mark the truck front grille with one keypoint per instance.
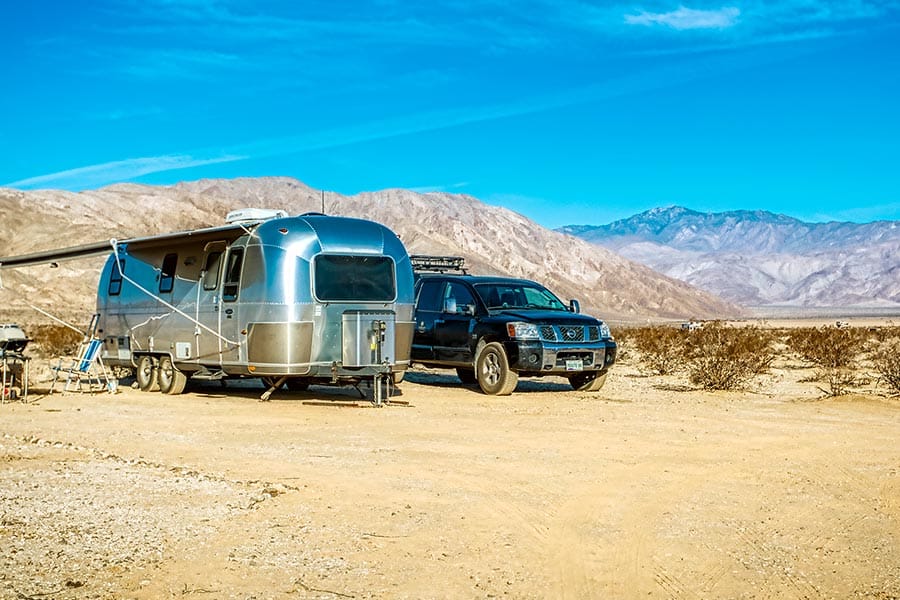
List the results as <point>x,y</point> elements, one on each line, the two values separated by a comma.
<point>568,333</point>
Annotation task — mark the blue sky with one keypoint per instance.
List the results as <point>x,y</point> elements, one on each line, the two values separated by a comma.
<point>567,111</point>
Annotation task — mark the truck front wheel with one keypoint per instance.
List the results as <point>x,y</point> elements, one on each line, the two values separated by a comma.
<point>492,371</point>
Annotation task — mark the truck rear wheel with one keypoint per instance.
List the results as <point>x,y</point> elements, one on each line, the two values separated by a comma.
<point>492,370</point>
<point>587,382</point>
<point>297,384</point>
<point>171,380</point>
<point>145,374</point>
<point>294,384</point>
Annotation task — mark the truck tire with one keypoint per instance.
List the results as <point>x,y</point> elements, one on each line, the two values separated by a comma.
<point>297,384</point>
<point>492,371</point>
<point>587,382</point>
<point>145,374</point>
<point>293,384</point>
<point>171,380</point>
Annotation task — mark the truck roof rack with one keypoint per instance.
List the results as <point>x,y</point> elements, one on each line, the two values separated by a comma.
<point>422,263</point>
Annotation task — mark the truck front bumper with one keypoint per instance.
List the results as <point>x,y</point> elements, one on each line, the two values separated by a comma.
<point>560,359</point>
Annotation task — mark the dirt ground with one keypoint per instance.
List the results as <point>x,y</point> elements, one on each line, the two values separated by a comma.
<point>641,490</point>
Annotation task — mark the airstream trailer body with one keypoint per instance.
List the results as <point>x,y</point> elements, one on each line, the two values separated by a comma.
<point>292,300</point>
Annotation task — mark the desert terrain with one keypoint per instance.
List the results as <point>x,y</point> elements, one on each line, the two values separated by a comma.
<point>644,489</point>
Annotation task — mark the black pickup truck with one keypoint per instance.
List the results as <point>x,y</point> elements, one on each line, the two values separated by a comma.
<point>495,329</point>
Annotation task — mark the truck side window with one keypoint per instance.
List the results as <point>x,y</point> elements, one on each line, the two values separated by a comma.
<point>115,278</point>
<point>233,275</point>
<point>211,268</point>
<point>167,273</point>
<point>460,297</point>
<point>429,296</point>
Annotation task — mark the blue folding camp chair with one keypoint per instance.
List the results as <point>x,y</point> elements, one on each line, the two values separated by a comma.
<point>84,372</point>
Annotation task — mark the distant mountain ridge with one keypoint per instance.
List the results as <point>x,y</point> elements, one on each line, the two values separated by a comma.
<point>758,258</point>
<point>493,240</point>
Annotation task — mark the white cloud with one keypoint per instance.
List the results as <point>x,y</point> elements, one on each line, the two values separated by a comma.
<point>688,18</point>
<point>116,171</point>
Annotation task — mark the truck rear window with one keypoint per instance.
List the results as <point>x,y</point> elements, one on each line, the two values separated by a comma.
<point>354,278</point>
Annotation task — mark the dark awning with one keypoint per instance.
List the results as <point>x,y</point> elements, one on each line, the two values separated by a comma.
<point>226,233</point>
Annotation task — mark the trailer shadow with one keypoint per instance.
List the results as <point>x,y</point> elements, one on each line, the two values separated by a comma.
<point>253,390</point>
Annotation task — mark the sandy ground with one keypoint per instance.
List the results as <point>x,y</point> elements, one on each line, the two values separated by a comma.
<point>641,490</point>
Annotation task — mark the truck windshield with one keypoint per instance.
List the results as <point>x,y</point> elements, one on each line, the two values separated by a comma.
<point>518,295</point>
<point>340,278</point>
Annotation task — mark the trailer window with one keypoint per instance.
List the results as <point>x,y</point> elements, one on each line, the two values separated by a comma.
<point>233,275</point>
<point>211,270</point>
<point>354,278</point>
<point>115,278</point>
<point>167,273</point>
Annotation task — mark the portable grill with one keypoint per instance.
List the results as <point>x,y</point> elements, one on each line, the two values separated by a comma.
<point>13,362</point>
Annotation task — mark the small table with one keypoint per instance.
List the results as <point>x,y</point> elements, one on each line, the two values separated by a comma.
<point>14,374</point>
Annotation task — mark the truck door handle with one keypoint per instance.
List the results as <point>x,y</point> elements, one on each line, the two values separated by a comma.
<point>229,311</point>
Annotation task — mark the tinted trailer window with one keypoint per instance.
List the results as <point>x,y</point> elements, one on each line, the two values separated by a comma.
<point>354,278</point>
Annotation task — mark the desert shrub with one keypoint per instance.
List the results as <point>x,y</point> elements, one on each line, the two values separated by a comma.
<point>661,348</point>
<point>724,358</point>
<point>828,346</point>
<point>834,352</point>
<point>837,381</point>
<point>885,358</point>
<point>55,340</point>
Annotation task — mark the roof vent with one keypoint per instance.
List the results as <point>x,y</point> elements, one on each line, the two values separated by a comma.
<point>253,215</point>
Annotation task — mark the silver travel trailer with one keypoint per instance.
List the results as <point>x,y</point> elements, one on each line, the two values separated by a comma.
<point>290,300</point>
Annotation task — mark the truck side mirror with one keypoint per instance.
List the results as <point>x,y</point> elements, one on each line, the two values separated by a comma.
<point>574,306</point>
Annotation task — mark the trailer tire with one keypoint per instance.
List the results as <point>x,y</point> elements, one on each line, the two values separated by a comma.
<point>171,380</point>
<point>145,374</point>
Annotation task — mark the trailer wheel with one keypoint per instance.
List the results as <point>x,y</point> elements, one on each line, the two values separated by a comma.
<point>171,380</point>
<point>145,374</point>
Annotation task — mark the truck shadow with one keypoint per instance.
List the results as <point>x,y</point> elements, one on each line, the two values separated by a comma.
<point>450,380</point>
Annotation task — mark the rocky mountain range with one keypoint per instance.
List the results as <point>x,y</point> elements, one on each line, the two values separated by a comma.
<point>494,240</point>
<point>757,258</point>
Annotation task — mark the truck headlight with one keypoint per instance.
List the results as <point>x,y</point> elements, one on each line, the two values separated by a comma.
<point>604,330</point>
<point>522,331</point>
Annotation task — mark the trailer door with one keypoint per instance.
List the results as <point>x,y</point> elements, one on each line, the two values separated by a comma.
<point>208,303</point>
<point>229,319</point>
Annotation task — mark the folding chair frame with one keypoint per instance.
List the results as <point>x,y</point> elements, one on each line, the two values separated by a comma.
<point>86,369</point>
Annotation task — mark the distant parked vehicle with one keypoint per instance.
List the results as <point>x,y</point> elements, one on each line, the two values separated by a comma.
<point>493,330</point>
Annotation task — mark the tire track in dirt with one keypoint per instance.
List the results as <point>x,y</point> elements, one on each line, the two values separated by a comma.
<point>604,545</point>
